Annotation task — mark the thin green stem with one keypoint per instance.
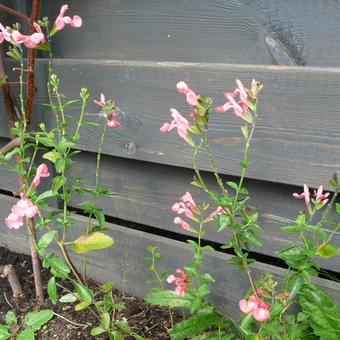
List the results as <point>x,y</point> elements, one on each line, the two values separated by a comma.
<point>95,194</point>
<point>213,164</point>
<point>195,166</point>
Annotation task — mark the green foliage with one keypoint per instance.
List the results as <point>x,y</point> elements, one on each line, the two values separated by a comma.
<point>322,314</point>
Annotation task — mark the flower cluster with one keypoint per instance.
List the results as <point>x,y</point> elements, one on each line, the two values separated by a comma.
<point>30,41</point>
<point>108,110</point>
<point>181,282</point>
<point>179,122</point>
<point>189,208</point>
<point>320,198</point>
<point>256,307</point>
<point>24,207</point>
<point>240,99</point>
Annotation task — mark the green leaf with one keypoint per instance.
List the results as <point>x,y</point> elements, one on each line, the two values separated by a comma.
<point>57,265</point>
<point>117,335</point>
<point>328,250</point>
<point>69,298</point>
<point>82,305</point>
<point>47,141</point>
<point>105,320</point>
<point>223,222</point>
<point>323,315</point>
<point>57,183</point>
<point>60,165</point>
<point>249,236</point>
<point>52,290</point>
<point>168,298</point>
<point>52,156</point>
<point>11,318</point>
<point>45,195</point>
<point>97,331</point>
<point>291,229</point>
<point>233,185</point>
<point>93,241</point>
<point>123,326</point>
<point>194,325</point>
<point>11,153</point>
<point>27,334</point>
<point>337,205</point>
<point>46,239</point>
<point>245,132</point>
<point>35,320</point>
<point>83,292</point>
<point>4,334</point>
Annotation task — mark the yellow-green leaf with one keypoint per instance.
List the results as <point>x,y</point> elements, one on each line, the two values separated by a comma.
<point>328,250</point>
<point>93,241</point>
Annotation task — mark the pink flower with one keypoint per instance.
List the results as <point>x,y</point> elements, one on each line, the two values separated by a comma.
<point>100,102</point>
<point>178,122</point>
<point>30,41</point>
<point>191,96</point>
<point>185,225</point>
<point>181,282</point>
<point>42,171</point>
<point>260,291</point>
<point>320,197</point>
<point>186,205</point>
<point>113,121</point>
<point>217,212</point>
<point>14,221</point>
<point>305,195</point>
<point>256,307</point>
<point>62,20</point>
<point>4,34</point>
<point>24,207</point>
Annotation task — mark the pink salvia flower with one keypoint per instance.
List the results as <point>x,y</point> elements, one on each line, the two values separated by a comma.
<point>113,121</point>
<point>181,282</point>
<point>178,122</point>
<point>219,211</point>
<point>240,106</point>
<point>256,307</point>
<point>100,102</point>
<point>62,20</point>
<point>305,195</point>
<point>14,221</point>
<point>24,207</point>
<point>42,171</point>
<point>320,197</point>
<point>185,225</point>
<point>189,201</point>
<point>191,96</point>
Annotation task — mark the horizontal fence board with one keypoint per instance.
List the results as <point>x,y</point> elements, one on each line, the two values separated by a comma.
<point>286,32</point>
<point>123,264</point>
<point>297,126</point>
<point>146,192</point>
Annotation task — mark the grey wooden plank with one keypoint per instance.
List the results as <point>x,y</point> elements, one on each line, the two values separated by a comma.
<point>297,127</point>
<point>123,264</point>
<point>146,192</point>
<point>304,32</point>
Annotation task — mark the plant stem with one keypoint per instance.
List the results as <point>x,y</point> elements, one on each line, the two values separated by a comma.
<point>95,195</point>
<point>35,262</point>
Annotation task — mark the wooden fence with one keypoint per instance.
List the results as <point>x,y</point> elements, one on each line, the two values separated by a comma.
<point>135,52</point>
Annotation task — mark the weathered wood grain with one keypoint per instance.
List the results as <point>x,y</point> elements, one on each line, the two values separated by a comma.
<point>296,140</point>
<point>146,192</point>
<point>123,263</point>
<point>287,32</point>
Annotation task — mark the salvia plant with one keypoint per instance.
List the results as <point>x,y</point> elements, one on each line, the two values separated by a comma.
<point>56,145</point>
<point>267,309</point>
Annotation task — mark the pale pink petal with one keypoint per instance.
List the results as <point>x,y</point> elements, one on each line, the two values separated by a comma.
<point>76,22</point>
<point>307,194</point>
<point>192,98</point>
<point>36,181</point>
<point>185,225</point>
<point>261,314</point>
<point>113,122</point>
<point>171,279</point>
<point>182,87</point>
<point>42,170</point>
<point>13,221</point>
<point>245,307</point>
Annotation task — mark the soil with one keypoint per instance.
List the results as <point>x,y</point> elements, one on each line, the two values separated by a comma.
<point>151,322</point>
